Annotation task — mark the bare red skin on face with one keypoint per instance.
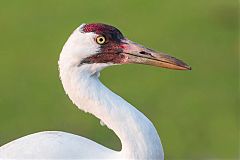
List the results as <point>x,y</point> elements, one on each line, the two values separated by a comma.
<point>106,58</point>
<point>103,29</point>
<point>110,51</point>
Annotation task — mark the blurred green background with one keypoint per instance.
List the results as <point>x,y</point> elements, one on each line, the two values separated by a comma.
<point>196,112</point>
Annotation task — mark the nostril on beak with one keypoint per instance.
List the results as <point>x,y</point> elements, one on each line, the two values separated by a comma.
<point>146,53</point>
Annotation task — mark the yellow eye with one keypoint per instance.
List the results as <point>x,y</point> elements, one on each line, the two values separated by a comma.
<point>101,39</point>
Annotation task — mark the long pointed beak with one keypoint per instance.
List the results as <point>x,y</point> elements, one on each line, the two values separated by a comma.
<point>137,53</point>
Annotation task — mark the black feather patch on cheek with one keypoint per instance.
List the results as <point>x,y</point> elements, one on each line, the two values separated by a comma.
<point>109,53</point>
<point>115,58</point>
<point>111,50</point>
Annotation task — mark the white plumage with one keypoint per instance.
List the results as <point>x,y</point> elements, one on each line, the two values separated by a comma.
<point>137,134</point>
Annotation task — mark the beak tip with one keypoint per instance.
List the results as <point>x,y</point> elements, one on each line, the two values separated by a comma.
<point>183,65</point>
<point>189,68</point>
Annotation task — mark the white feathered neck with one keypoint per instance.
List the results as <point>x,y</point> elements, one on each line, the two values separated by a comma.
<point>137,134</point>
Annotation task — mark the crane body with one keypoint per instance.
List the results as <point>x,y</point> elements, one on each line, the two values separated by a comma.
<point>89,49</point>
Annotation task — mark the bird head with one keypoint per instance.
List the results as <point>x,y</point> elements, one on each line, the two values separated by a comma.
<point>104,45</point>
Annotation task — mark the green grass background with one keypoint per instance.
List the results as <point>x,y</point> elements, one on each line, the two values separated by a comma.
<point>195,112</point>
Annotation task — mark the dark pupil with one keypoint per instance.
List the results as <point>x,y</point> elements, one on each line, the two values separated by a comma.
<point>101,39</point>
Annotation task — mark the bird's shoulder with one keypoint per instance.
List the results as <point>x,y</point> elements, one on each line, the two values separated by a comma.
<point>54,144</point>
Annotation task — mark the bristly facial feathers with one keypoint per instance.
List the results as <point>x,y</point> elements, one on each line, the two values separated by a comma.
<point>114,48</point>
<point>103,29</point>
<point>110,51</point>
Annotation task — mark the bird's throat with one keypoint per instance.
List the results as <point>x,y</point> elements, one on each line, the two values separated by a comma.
<point>138,136</point>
